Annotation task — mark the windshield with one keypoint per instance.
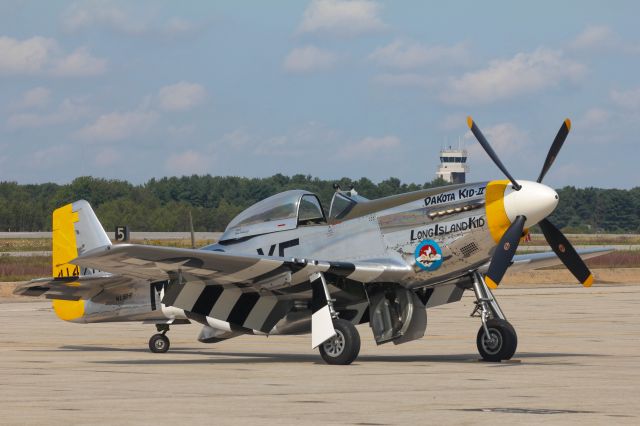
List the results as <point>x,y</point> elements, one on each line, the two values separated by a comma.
<point>341,205</point>
<point>310,211</point>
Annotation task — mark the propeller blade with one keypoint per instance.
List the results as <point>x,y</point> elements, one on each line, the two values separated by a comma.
<point>485,144</point>
<point>555,148</point>
<point>503,255</point>
<point>567,254</point>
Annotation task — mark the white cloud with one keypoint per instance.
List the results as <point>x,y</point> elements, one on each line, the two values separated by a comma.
<point>406,80</point>
<point>238,139</point>
<point>181,132</point>
<point>506,139</point>
<point>187,163</point>
<point>39,55</point>
<point>181,96</point>
<point>341,17</point>
<point>454,122</point>
<point>522,74</point>
<point>86,15</point>
<point>595,36</point>
<point>68,111</point>
<point>602,38</point>
<point>369,147</point>
<point>311,138</point>
<point>25,56</point>
<point>594,117</point>
<point>308,59</point>
<point>79,63</point>
<point>102,14</point>
<point>37,97</point>
<point>179,26</point>
<point>277,145</point>
<point>107,157</point>
<point>117,126</point>
<point>629,99</point>
<point>57,154</point>
<point>404,54</point>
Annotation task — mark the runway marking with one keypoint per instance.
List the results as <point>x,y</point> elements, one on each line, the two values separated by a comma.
<point>525,410</point>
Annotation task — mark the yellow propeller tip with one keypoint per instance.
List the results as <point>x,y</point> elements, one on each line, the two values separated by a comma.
<point>568,123</point>
<point>589,281</point>
<point>469,121</point>
<point>490,283</point>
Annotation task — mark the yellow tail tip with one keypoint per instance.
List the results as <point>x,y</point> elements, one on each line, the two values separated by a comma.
<point>469,121</point>
<point>490,283</point>
<point>68,310</point>
<point>568,123</point>
<point>589,281</point>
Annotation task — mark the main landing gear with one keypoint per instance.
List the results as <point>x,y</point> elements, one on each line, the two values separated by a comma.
<point>497,339</point>
<point>343,348</point>
<point>159,343</point>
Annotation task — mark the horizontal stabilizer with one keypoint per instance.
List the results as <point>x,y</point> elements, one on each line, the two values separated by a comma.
<point>78,288</point>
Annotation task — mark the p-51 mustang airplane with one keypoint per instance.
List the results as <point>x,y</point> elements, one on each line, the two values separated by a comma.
<point>282,267</point>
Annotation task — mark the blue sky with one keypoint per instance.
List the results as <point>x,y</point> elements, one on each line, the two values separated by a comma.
<point>331,88</point>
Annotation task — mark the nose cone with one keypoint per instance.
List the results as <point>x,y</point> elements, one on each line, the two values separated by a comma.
<point>534,200</point>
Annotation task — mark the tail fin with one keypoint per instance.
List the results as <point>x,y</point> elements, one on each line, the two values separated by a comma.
<point>76,229</point>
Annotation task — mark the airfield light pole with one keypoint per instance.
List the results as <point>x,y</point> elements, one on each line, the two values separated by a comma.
<point>193,237</point>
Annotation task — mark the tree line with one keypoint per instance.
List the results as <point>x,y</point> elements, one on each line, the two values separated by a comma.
<point>164,204</point>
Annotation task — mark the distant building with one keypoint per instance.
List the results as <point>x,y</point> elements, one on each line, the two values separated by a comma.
<point>453,165</point>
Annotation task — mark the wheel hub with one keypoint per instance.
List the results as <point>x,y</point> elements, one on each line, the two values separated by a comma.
<point>493,342</point>
<point>335,345</point>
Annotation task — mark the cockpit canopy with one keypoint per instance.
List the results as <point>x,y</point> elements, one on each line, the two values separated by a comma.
<point>342,204</point>
<point>280,212</point>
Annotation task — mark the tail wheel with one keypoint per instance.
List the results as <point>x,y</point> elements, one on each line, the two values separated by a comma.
<point>343,348</point>
<point>501,342</point>
<point>159,343</point>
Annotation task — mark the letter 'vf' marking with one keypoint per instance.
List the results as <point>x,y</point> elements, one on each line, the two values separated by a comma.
<point>281,247</point>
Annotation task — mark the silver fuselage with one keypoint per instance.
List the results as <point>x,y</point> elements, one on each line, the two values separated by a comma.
<point>455,219</point>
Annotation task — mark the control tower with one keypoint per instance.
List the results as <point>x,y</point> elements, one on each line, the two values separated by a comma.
<point>453,165</point>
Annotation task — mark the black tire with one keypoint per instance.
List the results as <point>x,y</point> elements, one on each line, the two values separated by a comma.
<point>504,344</point>
<point>159,343</point>
<point>342,349</point>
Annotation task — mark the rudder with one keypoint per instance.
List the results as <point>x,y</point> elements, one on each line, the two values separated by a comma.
<point>76,229</point>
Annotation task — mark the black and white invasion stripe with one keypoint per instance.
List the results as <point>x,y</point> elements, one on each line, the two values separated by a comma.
<point>248,309</point>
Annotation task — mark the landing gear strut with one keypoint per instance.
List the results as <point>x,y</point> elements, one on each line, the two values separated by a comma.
<point>497,339</point>
<point>159,343</point>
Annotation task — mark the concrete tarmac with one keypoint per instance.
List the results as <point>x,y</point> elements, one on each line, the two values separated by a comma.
<point>578,362</point>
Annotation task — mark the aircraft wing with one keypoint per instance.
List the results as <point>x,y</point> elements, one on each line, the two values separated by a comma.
<point>226,269</point>
<point>523,262</point>
<point>526,261</point>
<point>251,291</point>
<point>71,288</point>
